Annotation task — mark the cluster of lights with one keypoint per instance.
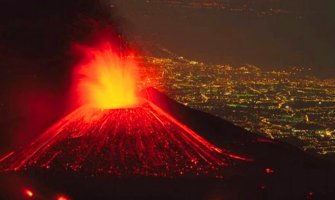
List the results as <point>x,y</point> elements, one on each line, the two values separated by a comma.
<point>281,104</point>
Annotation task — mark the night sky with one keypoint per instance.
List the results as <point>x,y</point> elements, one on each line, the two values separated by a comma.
<point>267,33</point>
<point>36,38</point>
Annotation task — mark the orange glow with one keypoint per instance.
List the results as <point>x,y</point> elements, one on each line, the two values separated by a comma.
<point>28,193</point>
<point>106,77</point>
<point>62,198</point>
<point>123,142</point>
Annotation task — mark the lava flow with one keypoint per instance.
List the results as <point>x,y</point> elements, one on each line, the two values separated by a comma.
<point>116,133</point>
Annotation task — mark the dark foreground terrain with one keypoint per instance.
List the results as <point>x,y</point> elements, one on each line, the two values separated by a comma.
<point>308,184</point>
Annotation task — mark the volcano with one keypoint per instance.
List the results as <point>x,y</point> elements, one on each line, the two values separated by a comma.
<point>115,131</point>
<point>119,143</point>
<point>161,149</point>
<point>142,140</point>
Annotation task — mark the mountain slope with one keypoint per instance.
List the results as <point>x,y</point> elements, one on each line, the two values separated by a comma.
<point>226,135</point>
<point>277,170</point>
<point>142,140</point>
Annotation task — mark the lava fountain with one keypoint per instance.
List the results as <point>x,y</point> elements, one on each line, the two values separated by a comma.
<point>115,132</point>
<point>106,78</point>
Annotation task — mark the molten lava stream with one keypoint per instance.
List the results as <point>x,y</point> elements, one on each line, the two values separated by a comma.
<point>142,140</point>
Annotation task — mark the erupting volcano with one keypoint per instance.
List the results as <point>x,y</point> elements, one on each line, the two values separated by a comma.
<point>116,132</point>
<point>106,77</point>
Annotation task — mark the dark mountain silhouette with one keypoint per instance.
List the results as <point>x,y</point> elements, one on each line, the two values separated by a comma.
<point>225,134</point>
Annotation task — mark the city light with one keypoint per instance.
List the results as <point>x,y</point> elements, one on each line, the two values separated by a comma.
<point>281,104</point>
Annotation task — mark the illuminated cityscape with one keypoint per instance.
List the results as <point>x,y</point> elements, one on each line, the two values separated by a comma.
<point>290,105</point>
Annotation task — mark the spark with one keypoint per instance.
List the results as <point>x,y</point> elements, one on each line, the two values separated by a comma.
<point>269,171</point>
<point>28,193</point>
<point>142,140</point>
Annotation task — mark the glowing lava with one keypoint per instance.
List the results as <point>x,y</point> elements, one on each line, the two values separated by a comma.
<point>127,137</point>
<point>142,140</point>
<point>106,77</point>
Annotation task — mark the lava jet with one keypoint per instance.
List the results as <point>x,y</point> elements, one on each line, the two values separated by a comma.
<point>116,132</point>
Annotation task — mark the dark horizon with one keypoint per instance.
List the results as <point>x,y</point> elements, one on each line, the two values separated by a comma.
<point>268,34</point>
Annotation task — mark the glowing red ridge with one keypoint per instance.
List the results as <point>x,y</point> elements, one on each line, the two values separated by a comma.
<point>142,140</point>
